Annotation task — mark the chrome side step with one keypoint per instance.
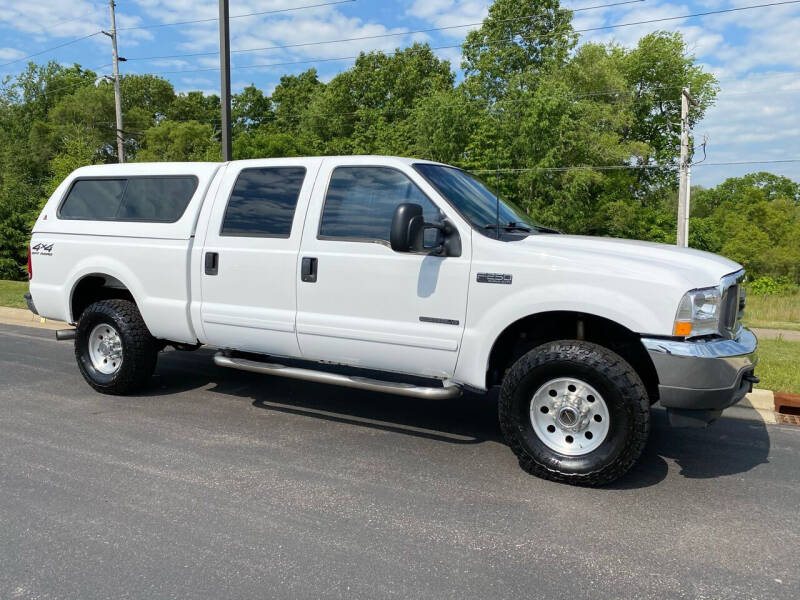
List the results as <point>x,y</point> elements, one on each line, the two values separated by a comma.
<point>449,390</point>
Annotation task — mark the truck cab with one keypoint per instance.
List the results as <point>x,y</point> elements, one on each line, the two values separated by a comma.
<point>411,277</point>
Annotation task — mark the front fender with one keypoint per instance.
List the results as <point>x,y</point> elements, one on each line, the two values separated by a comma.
<point>488,317</point>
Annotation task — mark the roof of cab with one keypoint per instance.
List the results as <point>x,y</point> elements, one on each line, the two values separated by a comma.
<point>206,168</point>
<point>154,168</point>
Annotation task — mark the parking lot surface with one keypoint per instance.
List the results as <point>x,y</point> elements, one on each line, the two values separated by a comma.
<point>215,483</point>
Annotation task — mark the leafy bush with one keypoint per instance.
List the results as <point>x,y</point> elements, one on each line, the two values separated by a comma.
<point>769,286</point>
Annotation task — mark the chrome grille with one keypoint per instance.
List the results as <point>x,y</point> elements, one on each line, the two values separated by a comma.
<point>733,303</point>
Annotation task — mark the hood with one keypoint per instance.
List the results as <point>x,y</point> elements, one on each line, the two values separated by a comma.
<point>633,258</point>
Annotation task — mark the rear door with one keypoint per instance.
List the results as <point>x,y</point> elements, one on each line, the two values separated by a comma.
<point>250,255</point>
<point>364,304</point>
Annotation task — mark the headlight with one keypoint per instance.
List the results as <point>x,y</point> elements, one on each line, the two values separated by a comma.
<point>698,313</point>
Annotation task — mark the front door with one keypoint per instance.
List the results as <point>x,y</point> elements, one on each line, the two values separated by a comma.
<point>365,304</point>
<point>250,255</point>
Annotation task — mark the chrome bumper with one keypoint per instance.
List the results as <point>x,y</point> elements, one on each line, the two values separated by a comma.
<point>698,379</point>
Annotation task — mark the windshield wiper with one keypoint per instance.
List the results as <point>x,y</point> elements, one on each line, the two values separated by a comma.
<point>510,226</point>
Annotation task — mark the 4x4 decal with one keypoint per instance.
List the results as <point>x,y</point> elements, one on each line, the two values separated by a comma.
<point>42,249</point>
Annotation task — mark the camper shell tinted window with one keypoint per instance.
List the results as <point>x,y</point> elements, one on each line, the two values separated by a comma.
<point>149,199</point>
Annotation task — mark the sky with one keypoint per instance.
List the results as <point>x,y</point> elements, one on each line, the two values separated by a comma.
<point>755,54</point>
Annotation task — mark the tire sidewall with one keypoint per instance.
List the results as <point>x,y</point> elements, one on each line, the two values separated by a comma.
<point>618,401</point>
<point>92,317</point>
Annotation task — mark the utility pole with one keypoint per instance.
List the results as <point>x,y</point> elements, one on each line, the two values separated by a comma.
<point>117,98</point>
<point>684,189</point>
<point>225,78</point>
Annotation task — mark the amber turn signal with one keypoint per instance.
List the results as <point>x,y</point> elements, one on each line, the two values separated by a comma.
<point>683,328</point>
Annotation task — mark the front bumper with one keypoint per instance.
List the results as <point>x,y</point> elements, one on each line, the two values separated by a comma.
<point>698,379</point>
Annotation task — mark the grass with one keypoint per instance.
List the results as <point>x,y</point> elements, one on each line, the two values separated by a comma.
<point>777,367</point>
<point>779,311</point>
<point>778,360</point>
<point>11,293</point>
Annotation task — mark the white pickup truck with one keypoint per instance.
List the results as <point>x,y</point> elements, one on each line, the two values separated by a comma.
<point>413,276</point>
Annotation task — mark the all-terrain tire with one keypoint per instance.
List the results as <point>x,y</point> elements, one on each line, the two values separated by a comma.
<point>139,348</point>
<point>612,376</point>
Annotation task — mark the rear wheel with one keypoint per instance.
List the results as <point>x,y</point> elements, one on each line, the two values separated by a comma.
<point>575,412</point>
<point>115,352</point>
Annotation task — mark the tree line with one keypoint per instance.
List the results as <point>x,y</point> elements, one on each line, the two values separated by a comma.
<point>583,137</point>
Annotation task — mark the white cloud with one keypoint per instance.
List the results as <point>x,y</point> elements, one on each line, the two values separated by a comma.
<point>755,118</point>
<point>196,81</point>
<point>447,13</point>
<point>66,18</point>
<point>10,54</point>
<point>170,63</point>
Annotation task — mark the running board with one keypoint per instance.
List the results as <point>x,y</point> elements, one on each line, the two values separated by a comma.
<point>449,390</point>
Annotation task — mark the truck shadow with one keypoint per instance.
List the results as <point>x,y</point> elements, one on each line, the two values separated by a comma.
<point>727,447</point>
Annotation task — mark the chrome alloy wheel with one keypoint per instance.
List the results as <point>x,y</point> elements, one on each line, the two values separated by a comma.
<point>105,349</point>
<point>569,416</point>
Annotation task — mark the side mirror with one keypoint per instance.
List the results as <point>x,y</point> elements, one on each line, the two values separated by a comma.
<point>408,226</point>
<point>408,232</point>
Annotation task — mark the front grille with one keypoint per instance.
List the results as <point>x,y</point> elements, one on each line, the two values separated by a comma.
<point>733,303</point>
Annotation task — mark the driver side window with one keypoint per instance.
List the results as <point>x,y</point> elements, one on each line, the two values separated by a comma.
<point>360,203</point>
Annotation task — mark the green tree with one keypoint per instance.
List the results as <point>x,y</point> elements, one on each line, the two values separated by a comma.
<point>292,97</point>
<point>518,38</point>
<point>180,141</point>
<point>368,109</point>
<point>250,109</point>
<point>754,220</point>
<point>195,106</point>
<point>656,71</point>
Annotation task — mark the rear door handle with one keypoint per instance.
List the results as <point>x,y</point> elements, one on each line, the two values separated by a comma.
<point>212,263</point>
<point>308,269</point>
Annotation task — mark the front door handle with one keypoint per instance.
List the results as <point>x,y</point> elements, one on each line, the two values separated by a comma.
<point>308,269</point>
<point>212,263</point>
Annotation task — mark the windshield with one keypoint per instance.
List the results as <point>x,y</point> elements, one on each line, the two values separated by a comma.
<point>476,202</point>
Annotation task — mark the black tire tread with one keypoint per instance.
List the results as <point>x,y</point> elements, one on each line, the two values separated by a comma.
<point>140,348</point>
<point>618,371</point>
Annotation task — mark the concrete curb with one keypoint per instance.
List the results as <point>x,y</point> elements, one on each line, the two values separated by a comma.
<point>786,335</point>
<point>25,318</point>
<point>759,405</point>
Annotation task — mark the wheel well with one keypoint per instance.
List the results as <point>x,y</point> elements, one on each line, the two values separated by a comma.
<point>94,288</point>
<point>534,330</point>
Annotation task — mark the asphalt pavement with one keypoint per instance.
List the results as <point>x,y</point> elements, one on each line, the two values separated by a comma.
<point>216,484</point>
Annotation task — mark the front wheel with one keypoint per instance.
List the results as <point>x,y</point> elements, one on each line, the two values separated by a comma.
<point>574,411</point>
<point>115,352</point>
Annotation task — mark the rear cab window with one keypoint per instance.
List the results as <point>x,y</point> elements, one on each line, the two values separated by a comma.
<point>263,202</point>
<point>149,199</point>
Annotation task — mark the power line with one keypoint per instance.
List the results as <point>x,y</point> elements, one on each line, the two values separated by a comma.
<point>370,37</point>
<point>574,168</point>
<point>60,23</point>
<point>607,92</point>
<point>690,16</point>
<point>155,25</point>
<point>625,167</point>
<point>748,162</point>
<point>80,39</point>
<point>252,14</point>
<point>599,28</point>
